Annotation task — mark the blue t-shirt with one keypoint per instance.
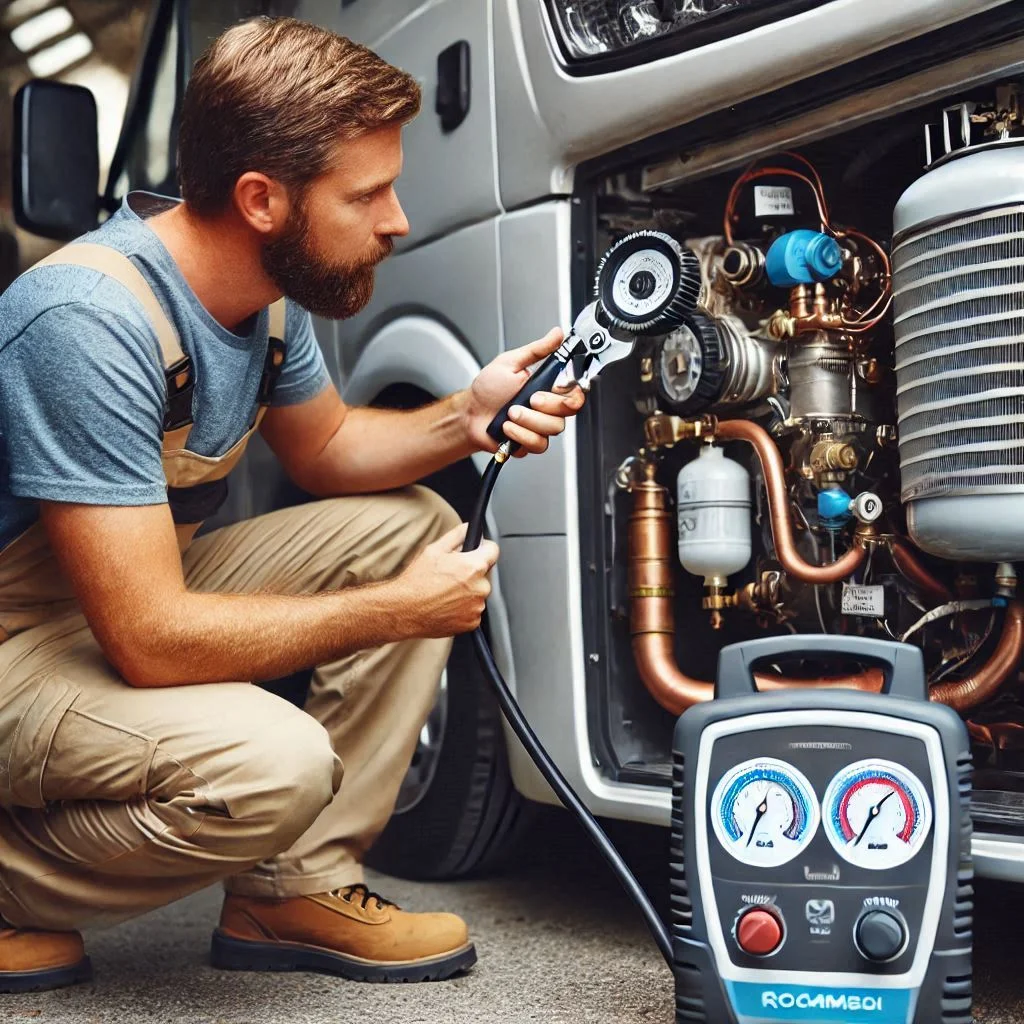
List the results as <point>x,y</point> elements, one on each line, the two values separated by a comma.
<point>82,387</point>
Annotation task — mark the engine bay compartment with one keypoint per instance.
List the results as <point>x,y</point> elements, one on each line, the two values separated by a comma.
<point>832,443</point>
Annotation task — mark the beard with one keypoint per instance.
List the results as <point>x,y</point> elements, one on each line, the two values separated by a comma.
<point>335,291</point>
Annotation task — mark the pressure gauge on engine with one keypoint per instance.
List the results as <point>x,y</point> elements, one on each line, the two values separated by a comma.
<point>764,812</point>
<point>690,366</point>
<point>877,814</point>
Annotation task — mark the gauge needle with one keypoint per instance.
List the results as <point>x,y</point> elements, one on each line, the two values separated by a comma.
<point>762,810</point>
<point>874,814</point>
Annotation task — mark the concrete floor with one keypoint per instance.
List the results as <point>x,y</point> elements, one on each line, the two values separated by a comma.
<point>558,944</point>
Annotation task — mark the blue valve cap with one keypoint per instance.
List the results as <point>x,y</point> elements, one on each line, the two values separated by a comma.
<point>803,257</point>
<point>833,507</point>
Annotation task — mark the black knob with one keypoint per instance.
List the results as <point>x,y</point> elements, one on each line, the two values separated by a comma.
<point>881,935</point>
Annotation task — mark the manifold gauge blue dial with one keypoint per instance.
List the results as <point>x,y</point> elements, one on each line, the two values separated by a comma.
<point>877,814</point>
<point>764,812</point>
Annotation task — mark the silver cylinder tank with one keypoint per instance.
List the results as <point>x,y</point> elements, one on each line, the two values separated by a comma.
<point>958,264</point>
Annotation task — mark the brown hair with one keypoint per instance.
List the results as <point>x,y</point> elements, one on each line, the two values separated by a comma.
<point>276,95</point>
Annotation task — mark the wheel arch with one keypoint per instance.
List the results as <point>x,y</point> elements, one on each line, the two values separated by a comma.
<point>410,361</point>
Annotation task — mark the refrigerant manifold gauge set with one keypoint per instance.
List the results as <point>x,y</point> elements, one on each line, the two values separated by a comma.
<point>826,878</point>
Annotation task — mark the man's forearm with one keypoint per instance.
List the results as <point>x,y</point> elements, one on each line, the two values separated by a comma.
<point>380,449</point>
<point>208,638</point>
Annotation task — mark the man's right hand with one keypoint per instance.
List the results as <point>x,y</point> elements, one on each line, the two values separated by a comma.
<point>446,588</point>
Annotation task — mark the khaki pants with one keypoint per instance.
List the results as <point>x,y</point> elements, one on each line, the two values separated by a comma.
<point>116,800</point>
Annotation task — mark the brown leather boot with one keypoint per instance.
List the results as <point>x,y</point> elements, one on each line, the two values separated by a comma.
<point>352,932</point>
<point>31,960</point>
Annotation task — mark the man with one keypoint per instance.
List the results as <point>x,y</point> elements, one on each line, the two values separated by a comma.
<point>134,766</point>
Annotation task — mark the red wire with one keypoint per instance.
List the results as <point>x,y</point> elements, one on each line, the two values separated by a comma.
<point>762,172</point>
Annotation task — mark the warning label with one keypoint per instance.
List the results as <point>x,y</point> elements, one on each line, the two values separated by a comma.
<point>773,201</point>
<point>866,601</point>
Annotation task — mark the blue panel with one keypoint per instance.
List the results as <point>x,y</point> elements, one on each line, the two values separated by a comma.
<point>756,1003</point>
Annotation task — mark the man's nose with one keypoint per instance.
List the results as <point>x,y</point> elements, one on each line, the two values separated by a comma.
<point>396,223</point>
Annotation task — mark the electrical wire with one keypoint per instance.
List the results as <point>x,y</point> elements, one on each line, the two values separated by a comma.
<point>865,321</point>
<point>762,172</point>
<point>944,610</point>
<point>862,321</point>
<point>522,729</point>
<point>958,662</point>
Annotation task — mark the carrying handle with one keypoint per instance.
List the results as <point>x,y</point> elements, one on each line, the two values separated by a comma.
<point>902,664</point>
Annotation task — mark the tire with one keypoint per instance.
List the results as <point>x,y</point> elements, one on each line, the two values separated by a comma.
<point>463,816</point>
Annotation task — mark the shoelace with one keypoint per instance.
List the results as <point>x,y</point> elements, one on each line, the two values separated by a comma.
<point>351,891</point>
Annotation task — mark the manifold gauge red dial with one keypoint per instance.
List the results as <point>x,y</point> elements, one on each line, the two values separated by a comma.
<point>876,814</point>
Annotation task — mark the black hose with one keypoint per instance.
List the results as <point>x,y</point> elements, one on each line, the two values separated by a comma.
<point>540,756</point>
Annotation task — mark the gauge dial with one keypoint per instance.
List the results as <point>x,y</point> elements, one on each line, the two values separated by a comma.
<point>764,812</point>
<point>682,363</point>
<point>877,814</point>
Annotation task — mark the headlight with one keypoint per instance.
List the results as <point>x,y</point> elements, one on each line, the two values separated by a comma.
<point>589,28</point>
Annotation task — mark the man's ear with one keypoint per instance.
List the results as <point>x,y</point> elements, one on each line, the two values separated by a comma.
<point>262,202</point>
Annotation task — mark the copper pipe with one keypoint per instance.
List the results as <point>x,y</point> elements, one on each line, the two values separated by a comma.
<point>778,503</point>
<point>983,684</point>
<point>651,618</point>
<point>905,560</point>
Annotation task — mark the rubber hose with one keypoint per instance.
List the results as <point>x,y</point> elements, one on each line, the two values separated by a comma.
<point>512,712</point>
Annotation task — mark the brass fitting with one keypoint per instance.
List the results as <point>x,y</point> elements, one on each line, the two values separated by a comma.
<point>810,309</point>
<point>871,371</point>
<point>866,535</point>
<point>829,456</point>
<point>752,597</point>
<point>781,326</point>
<point>663,431</point>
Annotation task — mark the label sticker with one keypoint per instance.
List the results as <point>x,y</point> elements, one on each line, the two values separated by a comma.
<point>773,201</point>
<point>821,915</point>
<point>866,601</point>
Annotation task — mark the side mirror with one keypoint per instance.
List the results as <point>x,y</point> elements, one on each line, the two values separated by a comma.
<point>56,159</point>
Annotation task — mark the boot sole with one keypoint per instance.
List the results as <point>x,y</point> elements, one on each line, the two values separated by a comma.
<point>231,954</point>
<point>50,977</point>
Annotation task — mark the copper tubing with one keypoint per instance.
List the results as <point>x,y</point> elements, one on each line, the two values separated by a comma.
<point>651,618</point>
<point>904,560</point>
<point>985,683</point>
<point>778,503</point>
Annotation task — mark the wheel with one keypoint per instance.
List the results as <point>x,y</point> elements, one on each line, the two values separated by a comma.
<point>458,812</point>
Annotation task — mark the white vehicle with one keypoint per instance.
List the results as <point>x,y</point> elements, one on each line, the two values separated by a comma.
<point>777,139</point>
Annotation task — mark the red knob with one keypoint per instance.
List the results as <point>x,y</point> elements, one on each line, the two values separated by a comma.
<point>759,932</point>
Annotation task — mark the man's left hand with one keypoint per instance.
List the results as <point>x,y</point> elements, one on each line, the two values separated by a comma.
<point>530,427</point>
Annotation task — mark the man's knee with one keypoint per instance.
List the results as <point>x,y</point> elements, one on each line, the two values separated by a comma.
<point>264,787</point>
<point>300,773</point>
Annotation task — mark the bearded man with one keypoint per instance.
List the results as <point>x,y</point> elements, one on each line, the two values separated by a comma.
<point>138,760</point>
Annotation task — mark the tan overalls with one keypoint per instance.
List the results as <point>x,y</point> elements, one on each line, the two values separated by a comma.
<point>115,800</point>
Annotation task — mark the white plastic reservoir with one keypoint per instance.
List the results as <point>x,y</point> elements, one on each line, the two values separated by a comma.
<point>713,509</point>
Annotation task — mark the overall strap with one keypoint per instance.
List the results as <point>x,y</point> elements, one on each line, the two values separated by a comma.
<point>276,349</point>
<point>116,265</point>
<point>177,366</point>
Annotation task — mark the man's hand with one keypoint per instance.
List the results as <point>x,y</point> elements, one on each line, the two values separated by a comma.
<point>500,381</point>
<point>445,588</point>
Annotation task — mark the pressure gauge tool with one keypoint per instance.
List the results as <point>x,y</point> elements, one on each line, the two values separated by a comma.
<point>821,847</point>
<point>764,812</point>
<point>646,284</point>
<point>877,814</point>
